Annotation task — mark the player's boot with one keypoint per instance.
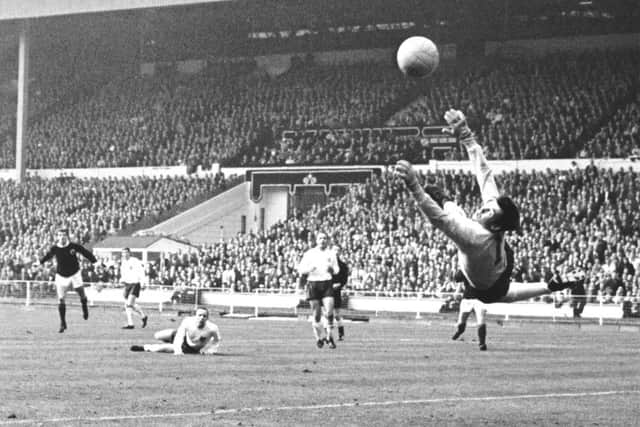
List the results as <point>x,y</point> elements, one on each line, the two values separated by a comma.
<point>128,327</point>
<point>63,326</point>
<point>137,348</point>
<point>331,342</point>
<point>483,347</point>
<point>144,321</point>
<point>460,331</point>
<point>320,343</point>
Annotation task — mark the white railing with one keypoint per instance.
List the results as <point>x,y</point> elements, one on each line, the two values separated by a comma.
<point>554,306</point>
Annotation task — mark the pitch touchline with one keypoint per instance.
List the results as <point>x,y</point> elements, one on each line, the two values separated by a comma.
<point>316,407</point>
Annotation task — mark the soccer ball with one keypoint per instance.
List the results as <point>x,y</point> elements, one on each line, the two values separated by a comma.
<point>418,57</point>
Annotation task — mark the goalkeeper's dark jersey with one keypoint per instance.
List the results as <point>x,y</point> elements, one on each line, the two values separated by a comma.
<point>66,259</point>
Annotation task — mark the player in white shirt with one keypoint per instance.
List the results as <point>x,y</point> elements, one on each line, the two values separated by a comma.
<point>132,276</point>
<point>195,335</point>
<point>318,265</point>
<point>485,260</point>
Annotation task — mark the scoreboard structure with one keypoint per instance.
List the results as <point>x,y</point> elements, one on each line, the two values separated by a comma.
<point>430,137</point>
<point>291,180</point>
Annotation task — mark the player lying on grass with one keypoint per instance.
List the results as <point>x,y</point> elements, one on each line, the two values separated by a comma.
<point>195,335</point>
<point>484,257</point>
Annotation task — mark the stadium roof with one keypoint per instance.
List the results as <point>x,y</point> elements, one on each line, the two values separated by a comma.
<point>21,9</point>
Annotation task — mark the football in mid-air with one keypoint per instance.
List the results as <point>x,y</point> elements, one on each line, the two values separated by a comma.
<point>418,57</point>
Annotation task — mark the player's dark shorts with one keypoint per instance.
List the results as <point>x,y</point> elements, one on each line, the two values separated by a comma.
<point>319,290</point>
<point>186,348</point>
<point>499,289</point>
<point>337,297</point>
<point>131,289</point>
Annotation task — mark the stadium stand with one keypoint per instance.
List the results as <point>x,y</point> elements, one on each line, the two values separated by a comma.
<point>90,208</point>
<point>585,218</point>
<point>546,107</point>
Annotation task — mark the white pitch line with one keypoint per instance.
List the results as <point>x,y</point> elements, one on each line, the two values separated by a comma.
<point>317,407</point>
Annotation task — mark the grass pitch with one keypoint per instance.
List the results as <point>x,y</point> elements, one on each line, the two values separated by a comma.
<point>387,373</point>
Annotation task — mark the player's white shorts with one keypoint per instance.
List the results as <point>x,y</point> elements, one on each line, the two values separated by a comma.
<point>63,284</point>
<point>468,305</point>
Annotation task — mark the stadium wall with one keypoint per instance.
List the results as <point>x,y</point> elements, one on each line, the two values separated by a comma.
<point>210,221</point>
<point>260,300</point>
<point>160,171</point>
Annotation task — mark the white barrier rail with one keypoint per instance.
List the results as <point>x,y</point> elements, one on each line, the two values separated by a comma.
<point>554,306</point>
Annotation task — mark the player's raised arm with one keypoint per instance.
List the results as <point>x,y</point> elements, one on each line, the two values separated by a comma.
<point>462,230</point>
<point>49,255</point>
<point>334,267</point>
<point>484,175</point>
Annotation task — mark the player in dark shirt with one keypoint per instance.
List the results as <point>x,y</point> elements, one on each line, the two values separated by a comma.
<point>68,272</point>
<point>578,298</point>
<point>339,281</point>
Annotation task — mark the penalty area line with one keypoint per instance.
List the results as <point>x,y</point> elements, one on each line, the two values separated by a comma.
<point>318,407</point>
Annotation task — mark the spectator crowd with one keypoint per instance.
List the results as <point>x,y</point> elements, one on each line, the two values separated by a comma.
<point>554,106</point>
<point>31,212</point>
<point>582,218</point>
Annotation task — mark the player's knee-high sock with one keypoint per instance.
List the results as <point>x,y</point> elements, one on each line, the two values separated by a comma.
<point>330,326</point>
<point>62,311</point>
<point>128,309</point>
<point>158,348</point>
<point>140,313</point>
<point>85,308</point>
<point>317,330</point>
<point>83,302</point>
<point>482,334</point>
<point>138,310</point>
<point>459,331</point>
<point>340,327</point>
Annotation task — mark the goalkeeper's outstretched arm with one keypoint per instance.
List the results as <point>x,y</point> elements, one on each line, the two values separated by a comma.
<point>484,175</point>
